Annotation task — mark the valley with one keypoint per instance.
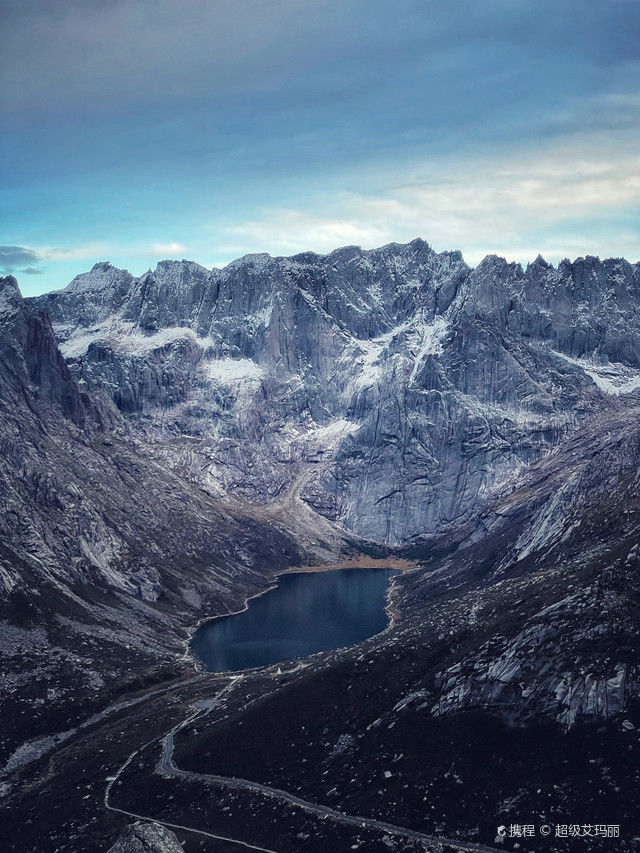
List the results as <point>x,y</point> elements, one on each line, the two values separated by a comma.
<point>173,443</point>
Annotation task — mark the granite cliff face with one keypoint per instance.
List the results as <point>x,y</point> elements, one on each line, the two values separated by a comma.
<point>388,391</point>
<point>546,583</point>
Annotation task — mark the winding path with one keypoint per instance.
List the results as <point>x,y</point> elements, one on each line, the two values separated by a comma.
<point>167,766</point>
<point>167,823</point>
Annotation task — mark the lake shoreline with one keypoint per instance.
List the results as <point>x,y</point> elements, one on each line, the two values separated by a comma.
<point>310,630</point>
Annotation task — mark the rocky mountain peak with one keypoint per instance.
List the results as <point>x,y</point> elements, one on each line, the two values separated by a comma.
<point>8,283</point>
<point>256,260</point>
<point>539,262</point>
<point>102,276</point>
<point>10,295</point>
<point>33,366</point>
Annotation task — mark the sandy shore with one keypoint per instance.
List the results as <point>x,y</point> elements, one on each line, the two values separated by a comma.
<point>360,562</point>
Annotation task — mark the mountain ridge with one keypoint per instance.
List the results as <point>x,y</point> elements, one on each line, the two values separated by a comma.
<point>400,341</point>
<point>308,255</point>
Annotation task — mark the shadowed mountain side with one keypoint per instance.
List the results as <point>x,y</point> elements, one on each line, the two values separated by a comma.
<point>106,555</point>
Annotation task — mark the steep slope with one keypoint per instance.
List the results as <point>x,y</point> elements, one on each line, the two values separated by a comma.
<point>105,557</point>
<point>505,693</point>
<point>388,390</point>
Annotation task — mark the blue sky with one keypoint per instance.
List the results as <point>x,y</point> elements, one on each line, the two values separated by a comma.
<point>136,130</point>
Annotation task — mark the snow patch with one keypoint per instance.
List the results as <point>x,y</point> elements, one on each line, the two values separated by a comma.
<point>432,336</point>
<point>125,338</point>
<point>228,370</point>
<point>614,378</point>
<point>428,337</point>
<point>368,362</point>
<point>333,432</point>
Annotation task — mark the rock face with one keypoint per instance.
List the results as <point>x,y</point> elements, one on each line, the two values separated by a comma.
<point>105,556</point>
<point>74,484</point>
<point>545,584</point>
<point>30,356</point>
<point>390,391</point>
<point>143,837</point>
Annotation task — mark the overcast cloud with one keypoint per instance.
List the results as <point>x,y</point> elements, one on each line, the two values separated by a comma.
<point>143,128</point>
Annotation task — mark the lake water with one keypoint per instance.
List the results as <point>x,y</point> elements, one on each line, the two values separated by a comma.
<point>307,612</point>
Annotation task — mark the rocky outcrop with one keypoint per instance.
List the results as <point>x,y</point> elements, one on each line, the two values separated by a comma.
<point>146,837</point>
<point>30,356</point>
<point>543,589</point>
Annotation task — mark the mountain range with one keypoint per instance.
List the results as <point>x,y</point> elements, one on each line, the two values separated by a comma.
<point>170,442</point>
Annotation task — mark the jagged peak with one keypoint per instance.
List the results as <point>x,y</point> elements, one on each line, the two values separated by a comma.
<point>166,268</point>
<point>11,299</point>
<point>453,254</point>
<point>104,275</point>
<point>304,258</point>
<point>579,262</point>
<point>101,276</point>
<point>344,253</point>
<point>172,263</point>
<point>394,247</point>
<point>9,285</point>
<point>494,262</point>
<point>420,242</point>
<point>539,262</point>
<point>617,264</point>
<point>619,261</point>
<point>255,259</point>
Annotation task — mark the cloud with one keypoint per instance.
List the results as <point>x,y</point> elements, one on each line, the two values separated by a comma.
<point>106,56</point>
<point>19,259</point>
<point>82,252</point>
<point>558,201</point>
<point>287,231</point>
<point>166,249</point>
<point>30,260</point>
<point>146,118</point>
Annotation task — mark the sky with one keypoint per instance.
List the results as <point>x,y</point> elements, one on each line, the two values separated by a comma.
<point>138,130</point>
